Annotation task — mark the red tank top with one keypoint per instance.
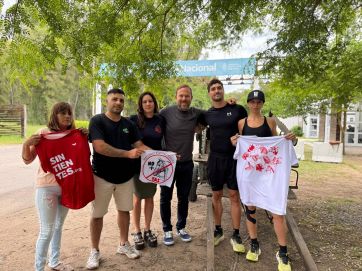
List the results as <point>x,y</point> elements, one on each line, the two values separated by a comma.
<point>67,156</point>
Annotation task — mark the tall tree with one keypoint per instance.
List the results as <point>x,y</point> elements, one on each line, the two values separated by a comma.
<point>140,39</point>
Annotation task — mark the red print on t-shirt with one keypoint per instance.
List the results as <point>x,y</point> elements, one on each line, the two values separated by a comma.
<point>261,158</point>
<point>158,129</point>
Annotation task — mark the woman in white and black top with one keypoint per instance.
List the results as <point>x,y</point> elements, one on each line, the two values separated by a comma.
<point>258,125</point>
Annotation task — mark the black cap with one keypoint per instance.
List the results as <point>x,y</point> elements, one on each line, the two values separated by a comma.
<point>256,94</point>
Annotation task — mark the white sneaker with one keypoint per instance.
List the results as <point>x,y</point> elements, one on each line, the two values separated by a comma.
<point>168,238</point>
<point>94,259</point>
<point>128,250</point>
<point>62,267</point>
<point>184,235</point>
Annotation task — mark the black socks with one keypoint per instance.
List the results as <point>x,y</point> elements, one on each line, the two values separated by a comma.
<point>283,249</point>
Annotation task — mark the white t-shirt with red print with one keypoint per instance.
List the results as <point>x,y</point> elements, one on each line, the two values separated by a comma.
<point>263,170</point>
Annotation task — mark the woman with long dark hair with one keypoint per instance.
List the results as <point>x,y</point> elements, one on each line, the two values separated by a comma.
<point>151,127</point>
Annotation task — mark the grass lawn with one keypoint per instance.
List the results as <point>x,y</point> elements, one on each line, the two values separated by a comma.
<point>32,129</point>
<point>328,211</point>
<point>12,139</point>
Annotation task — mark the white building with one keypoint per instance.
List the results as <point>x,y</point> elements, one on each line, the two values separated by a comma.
<point>327,127</point>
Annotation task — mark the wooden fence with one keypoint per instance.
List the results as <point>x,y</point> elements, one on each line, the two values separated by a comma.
<point>12,120</point>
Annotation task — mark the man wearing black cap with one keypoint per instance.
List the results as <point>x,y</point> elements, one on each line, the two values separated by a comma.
<point>222,119</point>
<point>116,141</point>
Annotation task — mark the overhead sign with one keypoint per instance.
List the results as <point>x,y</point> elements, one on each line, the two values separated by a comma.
<point>235,66</point>
<point>193,68</point>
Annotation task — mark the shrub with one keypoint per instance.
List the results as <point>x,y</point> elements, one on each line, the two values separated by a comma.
<point>81,123</point>
<point>297,130</point>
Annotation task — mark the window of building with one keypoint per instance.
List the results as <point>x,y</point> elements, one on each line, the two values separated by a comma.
<point>354,126</point>
<point>313,129</point>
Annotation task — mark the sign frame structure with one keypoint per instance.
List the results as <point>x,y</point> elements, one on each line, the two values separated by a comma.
<point>199,68</point>
<point>217,67</point>
<point>191,68</point>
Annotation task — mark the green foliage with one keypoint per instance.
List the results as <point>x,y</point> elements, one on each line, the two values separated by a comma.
<point>240,96</point>
<point>32,129</point>
<point>54,50</point>
<point>141,38</point>
<point>297,130</point>
<point>12,139</point>
<point>310,36</point>
<point>227,22</point>
<point>314,56</point>
<point>165,91</point>
<point>338,88</point>
<point>81,123</point>
<point>68,86</point>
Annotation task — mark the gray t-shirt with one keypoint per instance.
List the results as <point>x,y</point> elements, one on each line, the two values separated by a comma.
<point>180,130</point>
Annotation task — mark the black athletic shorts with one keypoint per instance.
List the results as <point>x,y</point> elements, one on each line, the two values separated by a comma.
<point>221,170</point>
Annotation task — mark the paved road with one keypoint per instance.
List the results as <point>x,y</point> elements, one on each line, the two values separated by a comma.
<point>16,179</point>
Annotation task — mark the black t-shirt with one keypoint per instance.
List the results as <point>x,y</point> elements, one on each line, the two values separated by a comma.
<point>223,123</point>
<point>151,134</point>
<point>121,135</point>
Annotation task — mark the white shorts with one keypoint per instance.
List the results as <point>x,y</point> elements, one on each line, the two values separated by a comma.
<point>122,193</point>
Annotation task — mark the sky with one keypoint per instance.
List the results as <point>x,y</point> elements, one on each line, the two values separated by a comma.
<point>7,4</point>
<point>251,44</point>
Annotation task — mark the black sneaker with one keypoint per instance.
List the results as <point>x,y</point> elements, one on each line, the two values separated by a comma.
<point>237,243</point>
<point>254,252</point>
<point>283,262</point>
<point>150,238</point>
<point>139,243</point>
<point>218,237</point>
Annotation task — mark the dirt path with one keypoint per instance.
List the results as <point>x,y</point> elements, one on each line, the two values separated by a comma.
<point>330,221</point>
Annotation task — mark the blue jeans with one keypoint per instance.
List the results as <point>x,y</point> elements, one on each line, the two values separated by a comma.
<point>51,217</point>
<point>183,180</point>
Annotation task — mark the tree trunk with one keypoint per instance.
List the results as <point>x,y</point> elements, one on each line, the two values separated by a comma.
<point>76,96</point>
<point>11,95</point>
<point>344,126</point>
<point>76,102</point>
